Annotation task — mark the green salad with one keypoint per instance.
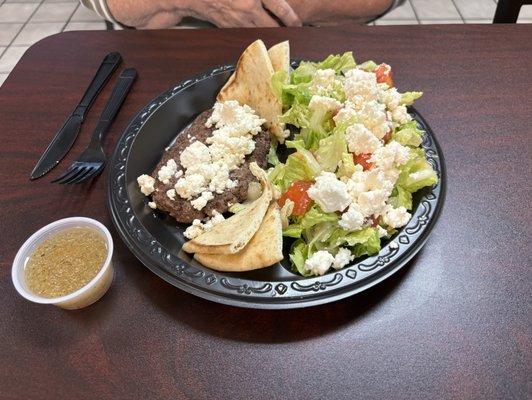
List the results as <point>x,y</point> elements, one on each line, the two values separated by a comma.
<point>356,161</point>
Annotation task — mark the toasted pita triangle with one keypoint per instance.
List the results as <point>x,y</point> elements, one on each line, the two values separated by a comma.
<point>264,249</point>
<point>251,85</point>
<point>234,233</point>
<point>280,56</point>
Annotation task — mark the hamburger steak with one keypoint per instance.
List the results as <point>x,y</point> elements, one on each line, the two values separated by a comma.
<point>181,209</point>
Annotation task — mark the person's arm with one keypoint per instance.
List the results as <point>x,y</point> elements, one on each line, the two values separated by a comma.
<point>223,13</point>
<point>319,12</point>
<point>146,14</point>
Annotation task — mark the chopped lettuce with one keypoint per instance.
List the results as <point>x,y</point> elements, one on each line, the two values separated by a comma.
<point>299,166</point>
<point>340,63</point>
<point>400,197</point>
<point>347,166</point>
<point>298,255</point>
<point>408,98</point>
<point>314,124</point>
<point>303,73</point>
<point>330,150</point>
<point>272,157</point>
<point>364,242</point>
<point>408,134</point>
<point>417,173</point>
<point>368,66</point>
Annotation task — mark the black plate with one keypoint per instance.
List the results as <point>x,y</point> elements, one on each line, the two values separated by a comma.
<point>156,241</point>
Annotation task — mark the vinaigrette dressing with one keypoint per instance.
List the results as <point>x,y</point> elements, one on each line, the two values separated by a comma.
<point>65,261</point>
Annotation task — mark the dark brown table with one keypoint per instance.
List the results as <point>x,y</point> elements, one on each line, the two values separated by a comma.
<point>455,323</point>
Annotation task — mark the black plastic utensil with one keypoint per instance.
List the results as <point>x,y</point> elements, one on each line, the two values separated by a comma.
<point>92,161</point>
<point>66,136</point>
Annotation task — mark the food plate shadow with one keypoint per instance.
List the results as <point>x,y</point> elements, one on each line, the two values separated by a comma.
<point>270,326</point>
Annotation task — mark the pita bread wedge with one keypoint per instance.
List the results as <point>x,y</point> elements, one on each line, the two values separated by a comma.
<point>280,56</point>
<point>251,85</point>
<point>234,233</point>
<point>263,250</point>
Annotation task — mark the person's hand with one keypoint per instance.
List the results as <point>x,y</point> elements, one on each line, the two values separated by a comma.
<point>245,13</point>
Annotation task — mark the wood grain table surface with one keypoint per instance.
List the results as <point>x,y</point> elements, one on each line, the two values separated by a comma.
<point>454,324</point>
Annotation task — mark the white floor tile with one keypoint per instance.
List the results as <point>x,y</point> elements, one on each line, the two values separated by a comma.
<point>479,21</point>
<point>85,26</point>
<point>10,58</point>
<point>54,12</point>
<point>22,1</point>
<point>8,33</point>
<point>61,1</point>
<point>526,12</point>
<point>404,12</point>
<point>84,14</point>
<point>35,31</point>
<point>16,12</point>
<point>3,78</point>
<point>441,21</point>
<point>435,9</point>
<point>524,21</point>
<point>476,9</point>
<point>396,22</point>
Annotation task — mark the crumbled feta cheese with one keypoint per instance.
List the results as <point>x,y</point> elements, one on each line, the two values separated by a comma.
<point>390,156</point>
<point>352,219</point>
<point>347,114</point>
<point>382,232</point>
<point>394,245</point>
<point>230,150</point>
<point>360,87</point>
<point>167,171</point>
<point>373,116</point>
<point>194,230</point>
<point>200,202</point>
<point>170,194</point>
<point>370,190</point>
<point>220,181</point>
<point>372,202</point>
<point>216,219</point>
<point>396,217</point>
<point>178,174</point>
<point>146,184</point>
<point>234,119</point>
<point>400,115</point>
<point>342,258</point>
<point>357,75</point>
<point>152,205</point>
<point>190,185</point>
<point>319,262</point>
<point>361,140</point>
<point>207,166</point>
<point>197,227</point>
<point>324,103</point>
<point>323,81</point>
<point>391,97</point>
<point>364,181</point>
<point>195,154</point>
<point>329,192</point>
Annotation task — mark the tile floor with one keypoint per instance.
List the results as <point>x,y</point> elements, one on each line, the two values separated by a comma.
<point>24,22</point>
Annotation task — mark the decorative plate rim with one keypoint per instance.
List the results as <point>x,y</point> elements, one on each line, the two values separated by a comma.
<point>297,293</point>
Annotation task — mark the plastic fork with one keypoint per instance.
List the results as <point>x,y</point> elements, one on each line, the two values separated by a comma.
<point>92,161</point>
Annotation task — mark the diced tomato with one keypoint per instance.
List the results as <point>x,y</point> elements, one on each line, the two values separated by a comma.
<point>363,159</point>
<point>384,74</point>
<point>387,137</point>
<point>297,192</point>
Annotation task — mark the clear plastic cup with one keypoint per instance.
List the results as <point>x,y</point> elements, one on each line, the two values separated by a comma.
<point>82,297</point>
